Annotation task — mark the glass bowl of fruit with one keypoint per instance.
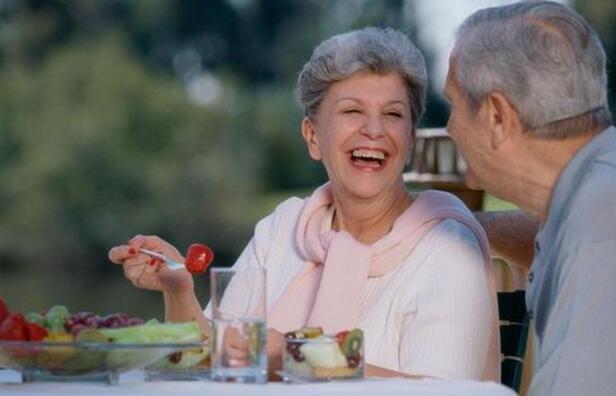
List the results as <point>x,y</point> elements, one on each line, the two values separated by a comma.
<point>59,346</point>
<point>309,355</point>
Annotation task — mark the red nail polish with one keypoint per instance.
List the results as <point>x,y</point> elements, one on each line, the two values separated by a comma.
<point>131,251</point>
<point>153,262</point>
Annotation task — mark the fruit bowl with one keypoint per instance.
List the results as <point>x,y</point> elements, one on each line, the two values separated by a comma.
<point>81,361</point>
<point>311,356</point>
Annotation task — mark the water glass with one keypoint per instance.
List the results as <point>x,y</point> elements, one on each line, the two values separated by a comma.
<point>238,315</point>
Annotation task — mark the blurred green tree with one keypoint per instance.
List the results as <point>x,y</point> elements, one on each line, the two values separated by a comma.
<point>96,149</point>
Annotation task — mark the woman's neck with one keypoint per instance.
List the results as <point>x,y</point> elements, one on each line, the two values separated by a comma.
<point>370,220</point>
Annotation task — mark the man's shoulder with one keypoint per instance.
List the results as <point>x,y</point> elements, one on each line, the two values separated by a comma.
<point>592,212</point>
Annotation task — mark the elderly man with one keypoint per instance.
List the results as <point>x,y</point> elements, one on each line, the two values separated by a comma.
<point>527,86</point>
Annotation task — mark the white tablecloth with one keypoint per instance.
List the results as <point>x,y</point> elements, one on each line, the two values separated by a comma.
<point>132,384</point>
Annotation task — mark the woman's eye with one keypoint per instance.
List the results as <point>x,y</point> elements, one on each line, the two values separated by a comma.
<point>394,114</point>
<point>351,111</point>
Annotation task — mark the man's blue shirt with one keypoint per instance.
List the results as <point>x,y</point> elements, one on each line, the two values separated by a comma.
<point>571,292</point>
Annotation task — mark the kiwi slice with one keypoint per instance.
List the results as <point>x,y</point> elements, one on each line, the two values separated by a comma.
<point>352,342</point>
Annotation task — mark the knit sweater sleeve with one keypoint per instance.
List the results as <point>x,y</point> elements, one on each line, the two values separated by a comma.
<point>446,333</point>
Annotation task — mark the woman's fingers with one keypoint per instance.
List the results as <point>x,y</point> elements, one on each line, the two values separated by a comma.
<point>237,347</point>
<point>118,254</point>
<point>142,272</point>
<point>155,243</point>
<point>237,353</point>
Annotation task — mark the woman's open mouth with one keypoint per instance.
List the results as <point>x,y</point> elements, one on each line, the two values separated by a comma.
<point>368,159</point>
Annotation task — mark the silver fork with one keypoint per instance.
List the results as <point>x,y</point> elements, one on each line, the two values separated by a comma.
<point>171,264</point>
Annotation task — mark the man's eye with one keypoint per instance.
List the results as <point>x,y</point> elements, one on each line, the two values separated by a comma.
<point>351,111</point>
<point>394,114</point>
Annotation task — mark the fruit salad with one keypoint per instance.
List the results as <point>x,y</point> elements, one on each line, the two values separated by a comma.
<point>60,341</point>
<point>311,355</point>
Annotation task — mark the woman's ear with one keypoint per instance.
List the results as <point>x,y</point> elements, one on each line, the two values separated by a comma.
<point>502,120</point>
<point>310,136</point>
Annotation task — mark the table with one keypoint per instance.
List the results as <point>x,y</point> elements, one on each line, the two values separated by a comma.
<point>132,384</point>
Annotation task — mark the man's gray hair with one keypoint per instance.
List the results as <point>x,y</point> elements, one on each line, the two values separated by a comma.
<point>544,57</point>
<point>372,50</point>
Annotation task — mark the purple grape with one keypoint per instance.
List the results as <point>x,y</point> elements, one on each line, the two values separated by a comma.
<point>353,361</point>
<point>68,324</point>
<point>292,347</point>
<point>118,319</point>
<point>107,321</point>
<point>91,321</point>
<point>82,316</point>
<point>135,322</point>
<point>299,356</point>
<point>122,317</point>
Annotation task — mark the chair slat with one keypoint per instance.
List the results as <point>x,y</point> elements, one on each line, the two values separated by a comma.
<point>512,306</point>
<point>514,334</point>
<point>511,374</point>
<point>513,339</point>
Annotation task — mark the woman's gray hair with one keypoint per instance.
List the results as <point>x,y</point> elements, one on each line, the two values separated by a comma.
<point>544,57</point>
<point>372,50</point>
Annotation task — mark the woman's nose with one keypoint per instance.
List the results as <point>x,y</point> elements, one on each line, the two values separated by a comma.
<point>373,128</point>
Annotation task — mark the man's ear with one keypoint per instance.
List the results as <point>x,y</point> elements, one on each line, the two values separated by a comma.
<point>502,118</point>
<point>310,136</point>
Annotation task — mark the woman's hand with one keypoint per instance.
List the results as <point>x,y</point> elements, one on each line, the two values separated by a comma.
<point>237,350</point>
<point>149,273</point>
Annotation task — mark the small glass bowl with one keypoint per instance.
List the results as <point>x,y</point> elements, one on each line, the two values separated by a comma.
<point>320,359</point>
<point>80,361</point>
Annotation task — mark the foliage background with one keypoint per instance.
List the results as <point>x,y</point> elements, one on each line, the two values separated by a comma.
<point>174,118</point>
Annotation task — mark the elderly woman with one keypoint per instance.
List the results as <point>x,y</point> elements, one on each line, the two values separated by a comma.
<point>413,273</point>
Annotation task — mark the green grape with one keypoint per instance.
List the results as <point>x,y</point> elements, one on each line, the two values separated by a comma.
<point>55,318</point>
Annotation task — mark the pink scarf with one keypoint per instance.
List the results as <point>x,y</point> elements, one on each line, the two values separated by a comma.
<point>327,291</point>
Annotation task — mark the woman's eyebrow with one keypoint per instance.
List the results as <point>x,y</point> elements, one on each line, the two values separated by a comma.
<point>395,101</point>
<point>348,98</point>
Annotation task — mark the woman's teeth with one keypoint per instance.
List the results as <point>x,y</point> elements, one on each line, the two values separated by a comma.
<point>368,154</point>
<point>368,157</point>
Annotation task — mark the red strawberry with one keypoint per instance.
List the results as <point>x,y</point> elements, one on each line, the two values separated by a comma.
<point>341,336</point>
<point>14,328</point>
<point>198,258</point>
<point>36,332</point>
